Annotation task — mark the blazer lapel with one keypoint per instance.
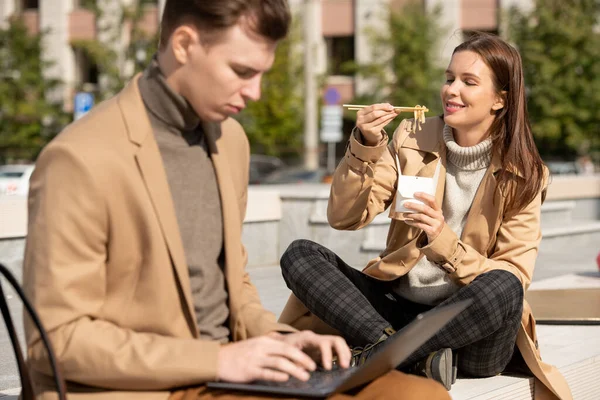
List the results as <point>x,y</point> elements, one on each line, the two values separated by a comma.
<point>151,168</point>
<point>232,223</point>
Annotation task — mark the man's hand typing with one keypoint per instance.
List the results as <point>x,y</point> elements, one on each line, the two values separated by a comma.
<point>276,357</point>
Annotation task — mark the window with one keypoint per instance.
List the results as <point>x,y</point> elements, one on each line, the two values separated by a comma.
<point>92,74</point>
<point>340,49</point>
<point>87,70</point>
<point>85,4</point>
<point>30,4</point>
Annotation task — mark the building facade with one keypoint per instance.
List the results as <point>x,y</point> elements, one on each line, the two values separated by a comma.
<point>340,29</point>
<point>67,22</point>
<point>344,23</point>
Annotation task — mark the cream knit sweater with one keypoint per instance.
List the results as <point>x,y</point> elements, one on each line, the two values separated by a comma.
<point>427,283</point>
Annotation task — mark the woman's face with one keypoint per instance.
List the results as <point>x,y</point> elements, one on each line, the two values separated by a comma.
<point>469,97</point>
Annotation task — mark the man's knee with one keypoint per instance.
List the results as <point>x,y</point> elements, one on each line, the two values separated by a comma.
<point>401,386</point>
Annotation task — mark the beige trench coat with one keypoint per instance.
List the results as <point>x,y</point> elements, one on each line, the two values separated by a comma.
<point>364,185</point>
<point>105,266</point>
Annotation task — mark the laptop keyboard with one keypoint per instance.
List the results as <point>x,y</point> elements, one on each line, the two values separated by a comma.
<point>320,378</point>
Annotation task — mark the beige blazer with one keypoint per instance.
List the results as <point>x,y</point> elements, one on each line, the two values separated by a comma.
<point>364,185</point>
<point>104,262</point>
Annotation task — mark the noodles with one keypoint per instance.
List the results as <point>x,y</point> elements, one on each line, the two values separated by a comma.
<point>419,113</point>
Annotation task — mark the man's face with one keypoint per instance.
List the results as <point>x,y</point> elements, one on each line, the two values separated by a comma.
<point>218,79</point>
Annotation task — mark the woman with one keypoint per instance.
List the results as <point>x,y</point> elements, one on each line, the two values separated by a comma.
<point>477,238</point>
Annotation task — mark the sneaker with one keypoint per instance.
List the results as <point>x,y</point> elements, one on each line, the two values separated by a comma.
<point>454,366</point>
<point>361,354</point>
<point>438,366</point>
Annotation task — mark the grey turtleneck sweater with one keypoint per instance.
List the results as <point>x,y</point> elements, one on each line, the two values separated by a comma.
<point>193,183</point>
<point>427,283</point>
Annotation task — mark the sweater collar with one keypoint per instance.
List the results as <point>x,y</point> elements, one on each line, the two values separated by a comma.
<point>165,105</point>
<point>470,158</point>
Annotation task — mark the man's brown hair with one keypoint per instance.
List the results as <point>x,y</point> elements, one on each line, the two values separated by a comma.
<point>268,18</point>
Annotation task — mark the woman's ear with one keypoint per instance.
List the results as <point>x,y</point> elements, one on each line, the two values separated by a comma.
<point>500,101</point>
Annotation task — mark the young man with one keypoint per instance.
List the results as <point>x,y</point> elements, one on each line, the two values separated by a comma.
<point>134,257</point>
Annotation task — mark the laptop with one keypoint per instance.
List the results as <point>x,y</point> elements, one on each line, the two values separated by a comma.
<point>389,355</point>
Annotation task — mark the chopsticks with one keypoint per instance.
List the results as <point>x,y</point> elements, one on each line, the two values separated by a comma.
<point>418,110</point>
<point>356,107</point>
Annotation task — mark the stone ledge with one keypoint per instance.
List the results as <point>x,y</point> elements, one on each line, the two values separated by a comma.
<point>581,377</point>
<point>371,245</point>
<point>263,205</point>
<point>265,202</point>
<point>550,207</point>
<point>10,394</point>
<point>13,216</point>
<point>319,219</point>
<point>580,228</point>
<point>303,191</point>
<point>561,188</point>
<point>574,187</point>
<point>503,387</point>
<point>564,205</point>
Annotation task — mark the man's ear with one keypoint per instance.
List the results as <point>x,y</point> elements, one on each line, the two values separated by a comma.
<point>181,40</point>
<point>500,101</point>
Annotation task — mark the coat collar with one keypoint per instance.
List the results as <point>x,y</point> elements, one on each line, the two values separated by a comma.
<point>134,113</point>
<point>488,201</point>
<point>148,158</point>
<point>429,139</point>
<point>149,161</point>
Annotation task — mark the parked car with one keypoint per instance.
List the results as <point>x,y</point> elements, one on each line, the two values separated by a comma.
<point>261,166</point>
<point>297,175</point>
<point>14,179</point>
<point>562,167</point>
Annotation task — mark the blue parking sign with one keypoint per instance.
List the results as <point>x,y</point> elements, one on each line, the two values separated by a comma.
<point>82,103</point>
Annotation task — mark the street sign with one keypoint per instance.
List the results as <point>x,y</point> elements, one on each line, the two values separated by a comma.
<point>332,96</point>
<point>82,103</point>
<point>332,120</point>
<point>331,123</point>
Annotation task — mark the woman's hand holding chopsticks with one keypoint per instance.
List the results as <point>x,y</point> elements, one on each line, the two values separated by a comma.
<point>372,119</point>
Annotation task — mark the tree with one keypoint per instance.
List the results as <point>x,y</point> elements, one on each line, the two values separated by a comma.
<point>559,42</point>
<point>405,71</point>
<point>274,124</point>
<point>28,119</point>
<point>112,63</point>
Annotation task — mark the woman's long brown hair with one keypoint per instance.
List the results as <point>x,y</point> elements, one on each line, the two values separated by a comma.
<point>510,132</point>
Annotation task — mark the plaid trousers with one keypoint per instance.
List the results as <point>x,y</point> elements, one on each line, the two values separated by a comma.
<point>361,307</point>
